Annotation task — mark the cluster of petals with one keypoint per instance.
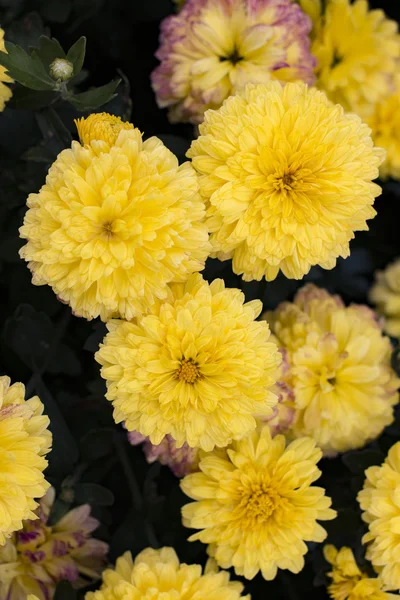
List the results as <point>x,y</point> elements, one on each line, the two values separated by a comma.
<point>349,582</point>
<point>159,574</point>
<point>255,505</point>
<point>5,79</point>
<point>213,48</point>
<point>385,293</point>
<point>116,221</point>
<point>24,442</point>
<point>287,177</point>
<point>181,461</point>
<point>339,369</point>
<point>357,52</point>
<point>40,554</point>
<point>198,368</point>
<point>380,502</point>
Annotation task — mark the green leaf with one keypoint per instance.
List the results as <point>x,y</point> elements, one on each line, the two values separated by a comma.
<point>27,70</point>
<point>39,154</point>
<point>48,50</point>
<point>93,494</point>
<point>93,99</point>
<point>96,444</point>
<point>23,98</point>
<point>357,461</point>
<point>64,453</point>
<point>65,591</point>
<point>76,55</point>
<point>55,134</point>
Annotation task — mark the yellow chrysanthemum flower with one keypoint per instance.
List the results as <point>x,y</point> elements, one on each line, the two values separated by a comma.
<point>357,50</point>
<point>5,92</point>
<point>198,368</point>
<point>159,574</point>
<point>287,176</point>
<point>100,126</point>
<point>380,501</point>
<point>340,372</point>
<point>255,505</point>
<point>348,581</point>
<point>24,441</point>
<point>385,293</point>
<point>385,125</point>
<point>113,225</point>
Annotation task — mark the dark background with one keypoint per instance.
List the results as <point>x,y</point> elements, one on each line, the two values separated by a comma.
<point>51,351</point>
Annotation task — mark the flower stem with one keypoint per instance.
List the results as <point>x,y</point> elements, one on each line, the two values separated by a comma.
<point>136,495</point>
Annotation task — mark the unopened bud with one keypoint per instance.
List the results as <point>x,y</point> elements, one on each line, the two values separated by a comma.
<point>61,69</point>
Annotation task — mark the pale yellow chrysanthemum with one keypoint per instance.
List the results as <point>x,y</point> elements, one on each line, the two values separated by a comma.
<point>255,505</point>
<point>339,369</point>
<point>385,293</point>
<point>159,574</point>
<point>113,225</point>
<point>100,126</point>
<point>5,92</point>
<point>24,441</point>
<point>287,176</point>
<point>358,53</point>
<point>385,125</point>
<point>198,368</point>
<point>380,501</point>
<point>348,581</point>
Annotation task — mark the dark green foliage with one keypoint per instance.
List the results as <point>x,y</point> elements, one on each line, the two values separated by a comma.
<point>51,351</point>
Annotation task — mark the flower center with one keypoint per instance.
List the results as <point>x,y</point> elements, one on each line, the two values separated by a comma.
<point>285,182</point>
<point>233,58</point>
<point>336,60</point>
<point>259,503</point>
<point>188,371</point>
<point>108,229</point>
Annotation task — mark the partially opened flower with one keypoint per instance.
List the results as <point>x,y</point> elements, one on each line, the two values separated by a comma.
<point>357,53</point>
<point>255,504</point>
<point>385,293</point>
<point>159,574</point>
<point>379,500</point>
<point>181,461</point>
<point>116,221</point>
<point>198,368</point>
<point>5,91</point>
<point>212,48</point>
<point>339,369</point>
<point>287,177</point>
<point>349,582</point>
<point>41,554</point>
<point>24,442</point>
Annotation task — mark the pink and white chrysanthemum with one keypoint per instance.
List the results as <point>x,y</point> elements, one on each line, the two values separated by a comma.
<point>213,48</point>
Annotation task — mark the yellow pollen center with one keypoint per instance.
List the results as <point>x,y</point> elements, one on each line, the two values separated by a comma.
<point>285,182</point>
<point>259,503</point>
<point>188,371</point>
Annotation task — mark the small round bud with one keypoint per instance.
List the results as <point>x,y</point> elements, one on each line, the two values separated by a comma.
<point>61,69</point>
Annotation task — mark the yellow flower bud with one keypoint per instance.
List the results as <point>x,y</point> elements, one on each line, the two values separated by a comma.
<point>100,126</point>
